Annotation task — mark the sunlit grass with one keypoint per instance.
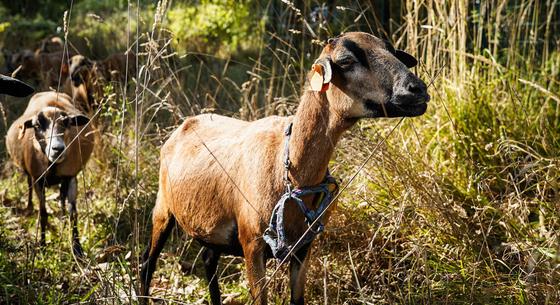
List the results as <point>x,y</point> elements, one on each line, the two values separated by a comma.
<point>459,206</point>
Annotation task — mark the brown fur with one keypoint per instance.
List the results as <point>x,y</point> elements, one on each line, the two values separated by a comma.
<point>50,45</point>
<point>47,68</point>
<point>114,67</point>
<point>241,181</point>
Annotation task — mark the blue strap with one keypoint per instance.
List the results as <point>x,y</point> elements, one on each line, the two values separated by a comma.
<point>275,235</point>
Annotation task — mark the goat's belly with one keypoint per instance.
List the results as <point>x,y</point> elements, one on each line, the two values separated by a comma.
<point>229,246</point>
<point>208,229</point>
<point>220,235</point>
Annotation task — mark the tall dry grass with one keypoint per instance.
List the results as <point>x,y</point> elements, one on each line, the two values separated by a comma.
<point>458,206</point>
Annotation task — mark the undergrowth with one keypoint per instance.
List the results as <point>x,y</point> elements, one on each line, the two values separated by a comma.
<point>459,206</point>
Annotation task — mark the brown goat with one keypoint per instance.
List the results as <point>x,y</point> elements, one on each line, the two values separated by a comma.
<point>50,45</point>
<point>220,177</point>
<point>114,67</point>
<point>81,83</point>
<point>51,142</point>
<point>46,68</point>
<point>88,77</point>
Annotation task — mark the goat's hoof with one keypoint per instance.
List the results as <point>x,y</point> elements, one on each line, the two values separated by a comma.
<point>77,249</point>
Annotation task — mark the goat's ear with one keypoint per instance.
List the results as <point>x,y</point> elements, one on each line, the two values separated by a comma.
<point>14,87</point>
<point>23,128</point>
<point>321,76</point>
<point>408,60</point>
<point>75,120</point>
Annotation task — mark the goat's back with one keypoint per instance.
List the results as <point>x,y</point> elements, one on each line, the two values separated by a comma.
<point>116,66</point>
<point>217,171</point>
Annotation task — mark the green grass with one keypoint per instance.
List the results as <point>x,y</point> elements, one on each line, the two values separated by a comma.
<point>459,206</point>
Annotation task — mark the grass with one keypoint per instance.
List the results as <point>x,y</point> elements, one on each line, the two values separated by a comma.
<point>459,206</point>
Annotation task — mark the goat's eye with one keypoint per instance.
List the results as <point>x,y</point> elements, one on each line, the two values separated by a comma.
<point>345,62</point>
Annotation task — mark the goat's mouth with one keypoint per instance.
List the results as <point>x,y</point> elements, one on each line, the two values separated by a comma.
<point>398,106</point>
<point>410,99</point>
<point>56,158</point>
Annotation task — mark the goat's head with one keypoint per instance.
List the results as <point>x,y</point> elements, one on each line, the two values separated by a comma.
<point>82,81</point>
<point>22,61</point>
<point>50,127</point>
<point>369,78</point>
<point>51,44</point>
<point>80,69</point>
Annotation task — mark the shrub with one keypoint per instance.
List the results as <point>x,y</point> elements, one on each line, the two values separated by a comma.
<point>213,26</point>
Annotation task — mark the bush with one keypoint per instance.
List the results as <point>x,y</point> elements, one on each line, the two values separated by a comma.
<point>213,26</point>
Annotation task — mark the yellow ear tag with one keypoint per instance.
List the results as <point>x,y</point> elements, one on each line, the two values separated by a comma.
<point>317,79</point>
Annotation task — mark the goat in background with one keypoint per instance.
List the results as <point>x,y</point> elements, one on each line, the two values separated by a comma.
<point>52,142</point>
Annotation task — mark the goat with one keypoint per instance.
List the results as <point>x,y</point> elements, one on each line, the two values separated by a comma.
<point>114,67</point>
<point>80,83</point>
<point>14,87</point>
<point>93,75</point>
<point>51,142</point>
<point>50,45</point>
<point>23,63</point>
<point>46,68</point>
<point>220,177</point>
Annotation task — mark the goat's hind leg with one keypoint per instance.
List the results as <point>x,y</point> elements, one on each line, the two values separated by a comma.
<point>211,258</point>
<point>162,224</point>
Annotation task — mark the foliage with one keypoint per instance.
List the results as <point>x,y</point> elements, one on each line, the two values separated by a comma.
<point>22,31</point>
<point>458,206</point>
<point>213,26</point>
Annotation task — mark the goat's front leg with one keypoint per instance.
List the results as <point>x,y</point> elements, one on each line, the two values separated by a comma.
<point>29,209</point>
<point>253,250</point>
<point>298,270</point>
<point>64,194</point>
<point>211,258</point>
<point>72,193</point>
<point>39,188</point>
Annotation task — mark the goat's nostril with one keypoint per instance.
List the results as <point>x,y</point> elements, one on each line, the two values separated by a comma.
<point>416,88</point>
<point>57,149</point>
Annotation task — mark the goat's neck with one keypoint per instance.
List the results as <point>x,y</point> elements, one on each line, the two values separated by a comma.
<point>83,97</point>
<point>315,132</point>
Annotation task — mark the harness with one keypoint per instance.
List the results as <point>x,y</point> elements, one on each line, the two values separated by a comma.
<point>275,234</point>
